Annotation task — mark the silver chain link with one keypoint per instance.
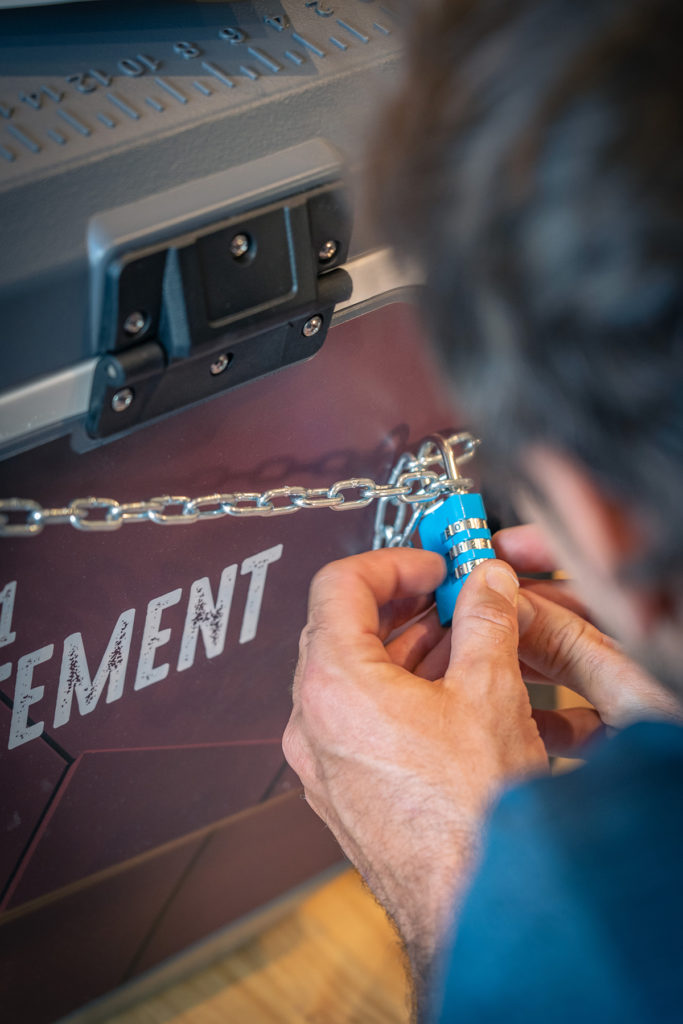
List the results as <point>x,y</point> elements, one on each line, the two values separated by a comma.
<point>415,483</point>
<point>397,519</point>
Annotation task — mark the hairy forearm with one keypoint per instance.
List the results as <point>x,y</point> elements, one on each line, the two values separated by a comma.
<point>423,901</point>
<point>401,765</point>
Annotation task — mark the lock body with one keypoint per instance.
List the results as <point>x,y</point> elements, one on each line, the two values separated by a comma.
<point>458,530</point>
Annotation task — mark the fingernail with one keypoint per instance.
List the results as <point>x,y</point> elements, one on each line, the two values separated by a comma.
<point>525,613</point>
<point>503,582</point>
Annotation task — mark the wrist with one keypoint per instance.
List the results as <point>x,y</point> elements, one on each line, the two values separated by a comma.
<point>423,903</point>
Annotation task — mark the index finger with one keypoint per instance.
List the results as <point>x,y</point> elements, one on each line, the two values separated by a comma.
<point>525,548</point>
<point>346,596</point>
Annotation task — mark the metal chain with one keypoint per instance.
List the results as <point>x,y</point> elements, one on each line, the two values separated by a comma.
<point>413,485</point>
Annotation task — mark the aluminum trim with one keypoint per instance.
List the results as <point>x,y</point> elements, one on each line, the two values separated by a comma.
<point>54,400</point>
<point>375,274</point>
<point>46,402</point>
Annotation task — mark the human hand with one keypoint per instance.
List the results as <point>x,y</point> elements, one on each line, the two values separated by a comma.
<point>401,767</point>
<point>559,645</point>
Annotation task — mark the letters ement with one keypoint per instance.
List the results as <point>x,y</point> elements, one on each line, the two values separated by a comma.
<point>206,616</point>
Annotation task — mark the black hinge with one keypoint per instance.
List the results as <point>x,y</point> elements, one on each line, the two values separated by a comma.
<point>210,285</point>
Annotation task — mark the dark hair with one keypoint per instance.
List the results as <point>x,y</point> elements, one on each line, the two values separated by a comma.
<point>532,161</point>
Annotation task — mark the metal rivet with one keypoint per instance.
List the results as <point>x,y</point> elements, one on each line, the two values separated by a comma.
<point>134,324</point>
<point>239,245</point>
<point>312,326</point>
<point>122,400</point>
<point>221,364</point>
<point>327,251</point>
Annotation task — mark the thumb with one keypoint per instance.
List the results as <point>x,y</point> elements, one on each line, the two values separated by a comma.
<point>484,634</point>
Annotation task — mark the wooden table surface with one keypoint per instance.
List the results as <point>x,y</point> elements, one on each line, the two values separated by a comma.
<point>334,960</point>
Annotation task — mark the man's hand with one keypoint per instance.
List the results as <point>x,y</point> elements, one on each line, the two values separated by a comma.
<point>403,766</point>
<point>557,644</point>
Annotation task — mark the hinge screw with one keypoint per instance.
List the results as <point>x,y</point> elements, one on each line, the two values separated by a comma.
<point>327,251</point>
<point>220,364</point>
<point>312,326</point>
<point>134,324</point>
<point>239,245</point>
<point>122,400</point>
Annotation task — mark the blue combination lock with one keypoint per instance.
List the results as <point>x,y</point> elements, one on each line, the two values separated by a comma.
<point>455,526</point>
<point>449,517</point>
<point>456,529</point>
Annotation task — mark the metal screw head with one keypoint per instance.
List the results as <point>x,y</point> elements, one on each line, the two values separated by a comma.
<point>134,323</point>
<point>239,245</point>
<point>312,326</point>
<point>220,364</point>
<point>122,400</point>
<point>327,251</point>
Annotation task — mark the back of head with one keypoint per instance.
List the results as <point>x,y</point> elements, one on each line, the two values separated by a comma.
<point>540,171</point>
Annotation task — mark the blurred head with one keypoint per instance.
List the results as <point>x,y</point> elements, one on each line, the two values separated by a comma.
<point>533,162</point>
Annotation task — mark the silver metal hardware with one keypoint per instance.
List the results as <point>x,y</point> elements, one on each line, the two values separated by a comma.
<point>220,364</point>
<point>312,326</point>
<point>134,324</point>
<point>122,400</point>
<point>463,570</point>
<point>46,402</point>
<point>448,453</point>
<point>444,449</point>
<point>464,524</point>
<point>239,245</point>
<point>473,544</point>
<point>327,251</point>
<point>415,483</point>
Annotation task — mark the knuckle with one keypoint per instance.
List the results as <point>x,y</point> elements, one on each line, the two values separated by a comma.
<point>314,698</point>
<point>289,744</point>
<point>295,750</point>
<point>304,644</point>
<point>489,619</point>
<point>316,695</point>
<point>328,576</point>
<point>564,642</point>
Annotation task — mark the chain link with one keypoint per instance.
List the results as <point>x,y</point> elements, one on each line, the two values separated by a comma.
<point>415,483</point>
<point>396,527</point>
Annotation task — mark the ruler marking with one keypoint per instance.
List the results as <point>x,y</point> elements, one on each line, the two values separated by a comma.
<point>214,70</point>
<point>56,136</point>
<point>353,30</point>
<point>338,43</point>
<point>303,41</point>
<point>81,128</point>
<point>204,89</point>
<point>23,138</point>
<point>154,104</point>
<point>123,106</point>
<point>171,90</point>
<point>106,120</point>
<point>265,59</point>
<point>295,57</point>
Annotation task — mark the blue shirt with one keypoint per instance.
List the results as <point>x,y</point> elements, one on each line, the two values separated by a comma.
<point>576,913</point>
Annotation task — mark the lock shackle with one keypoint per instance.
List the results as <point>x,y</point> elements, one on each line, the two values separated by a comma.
<point>436,447</point>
